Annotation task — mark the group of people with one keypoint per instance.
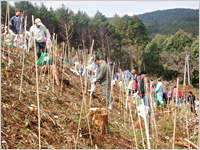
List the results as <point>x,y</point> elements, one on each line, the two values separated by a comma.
<point>96,69</point>
<point>16,37</point>
<point>134,83</point>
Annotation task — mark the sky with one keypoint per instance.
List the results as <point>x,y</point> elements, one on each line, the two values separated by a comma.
<point>110,8</point>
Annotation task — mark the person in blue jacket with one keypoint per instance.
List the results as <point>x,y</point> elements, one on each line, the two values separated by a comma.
<point>159,91</point>
<point>15,21</point>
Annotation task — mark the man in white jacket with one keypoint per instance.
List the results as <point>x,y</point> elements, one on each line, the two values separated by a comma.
<point>40,36</point>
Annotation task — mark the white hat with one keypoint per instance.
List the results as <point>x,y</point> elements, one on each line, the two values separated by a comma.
<point>38,21</point>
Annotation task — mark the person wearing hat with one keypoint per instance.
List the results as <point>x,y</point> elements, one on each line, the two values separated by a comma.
<point>141,89</point>
<point>15,21</point>
<point>103,80</point>
<point>40,36</point>
<point>159,91</point>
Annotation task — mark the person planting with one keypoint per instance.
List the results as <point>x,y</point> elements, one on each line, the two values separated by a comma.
<point>103,81</point>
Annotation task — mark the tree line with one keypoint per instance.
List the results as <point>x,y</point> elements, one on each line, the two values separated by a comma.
<point>169,21</point>
<point>121,39</point>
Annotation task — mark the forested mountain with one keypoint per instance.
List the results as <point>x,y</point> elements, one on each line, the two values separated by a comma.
<point>170,21</point>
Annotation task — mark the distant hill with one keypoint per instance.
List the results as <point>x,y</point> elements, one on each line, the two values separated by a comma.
<point>171,20</point>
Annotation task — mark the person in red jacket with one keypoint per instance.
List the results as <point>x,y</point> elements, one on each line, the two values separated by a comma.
<point>173,93</point>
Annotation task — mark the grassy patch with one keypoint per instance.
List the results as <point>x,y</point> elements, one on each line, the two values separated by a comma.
<point>3,65</point>
<point>25,131</point>
<point>58,131</point>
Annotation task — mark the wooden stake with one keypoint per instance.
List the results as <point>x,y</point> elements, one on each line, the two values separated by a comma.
<point>133,127</point>
<point>111,81</point>
<point>62,69</point>
<point>92,71</point>
<point>175,116</point>
<point>139,118</point>
<point>154,119</point>
<point>107,86</point>
<point>84,99</point>
<point>187,126</point>
<point>37,85</point>
<point>53,59</point>
<point>191,144</point>
<point>8,33</point>
<point>91,48</point>
<point>23,61</point>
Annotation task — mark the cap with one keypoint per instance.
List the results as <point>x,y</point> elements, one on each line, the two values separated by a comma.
<point>143,72</point>
<point>38,21</point>
<point>159,79</point>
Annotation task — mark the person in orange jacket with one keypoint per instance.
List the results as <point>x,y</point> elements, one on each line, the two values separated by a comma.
<point>173,93</point>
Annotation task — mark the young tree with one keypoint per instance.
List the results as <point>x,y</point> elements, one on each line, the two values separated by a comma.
<point>135,33</point>
<point>65,19</point>
<point>81,21</point>
<point>101,26</point>
<point>117,22</point>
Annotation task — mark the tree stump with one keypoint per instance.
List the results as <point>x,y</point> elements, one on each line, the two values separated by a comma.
<point>100,119</point>
<point>103,123</point>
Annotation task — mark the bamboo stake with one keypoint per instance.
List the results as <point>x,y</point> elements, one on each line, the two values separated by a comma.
<point>23,61</point>
<point>5,26</point>
<point>62,71</point>
<point>187,126</point>
<point>107,86</point>
<point>84,96</point>
<point>139,119</point>
<point>175,116</point>
<point>8,33</point>
<point>47,65</point>
<point>154,120</point>
<point>37,85</point>
<point>133,127</point>
<point>92,70</point>
<point>53,59</point>
<point>123,96</point>
<point>79,121</point>
<point>191,144</point>
<point>145,119</point>
<point>151,105</point>
<point>18,42</point>
<point>91,48</point>
<point>84,99</point>
<point>80,113</point>
<point>41,68</point>
<point>86,79</point>
<point>111,80</point>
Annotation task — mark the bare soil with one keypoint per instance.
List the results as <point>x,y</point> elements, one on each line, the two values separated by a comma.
<point>60,113</point>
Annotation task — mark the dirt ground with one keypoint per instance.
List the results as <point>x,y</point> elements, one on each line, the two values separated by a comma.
<point>60,113</point>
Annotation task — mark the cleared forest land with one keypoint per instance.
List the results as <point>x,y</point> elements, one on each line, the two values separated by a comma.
<point>60,114</point>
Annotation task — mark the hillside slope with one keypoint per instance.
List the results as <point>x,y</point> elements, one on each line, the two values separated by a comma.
<point>171,20</point>
<point>60,113</point>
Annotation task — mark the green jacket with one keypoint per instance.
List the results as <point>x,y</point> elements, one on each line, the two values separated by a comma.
<point>102,70</point>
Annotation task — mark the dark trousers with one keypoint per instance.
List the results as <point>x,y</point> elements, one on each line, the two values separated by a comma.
<point>40,46</point>
<point>192,107</point>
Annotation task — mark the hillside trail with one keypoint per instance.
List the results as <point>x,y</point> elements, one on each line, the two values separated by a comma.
<point>60,114</point>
